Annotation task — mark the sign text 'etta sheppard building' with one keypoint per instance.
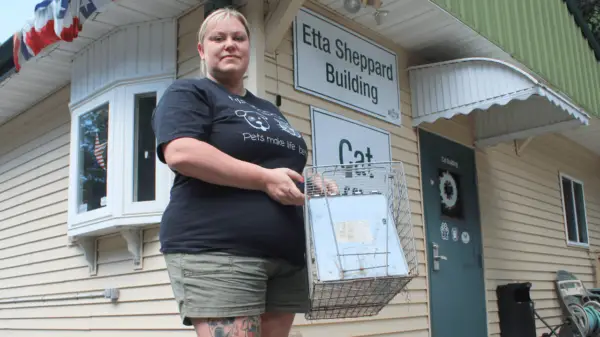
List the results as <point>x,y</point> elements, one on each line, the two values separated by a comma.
<point>341,66</point>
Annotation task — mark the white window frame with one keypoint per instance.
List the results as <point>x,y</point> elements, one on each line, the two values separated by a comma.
<point>101,213</point>
<point>120,211</point>
<point>564,209</point>
<point>162,189</point>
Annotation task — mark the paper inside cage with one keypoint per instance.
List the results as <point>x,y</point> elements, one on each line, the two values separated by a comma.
<point>365,231</point>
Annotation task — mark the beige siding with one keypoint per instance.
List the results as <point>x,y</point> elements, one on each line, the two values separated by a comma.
<point>35,259</point>
<point>458,129</point>
<point>522,216</point>
<point>402,318</point>
<point>188,63</point>
<point>523,223</point>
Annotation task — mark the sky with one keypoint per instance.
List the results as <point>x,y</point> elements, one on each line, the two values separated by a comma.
<point>14,16</point>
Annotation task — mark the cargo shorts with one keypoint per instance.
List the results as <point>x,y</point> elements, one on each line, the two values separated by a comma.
<point>214,285</point>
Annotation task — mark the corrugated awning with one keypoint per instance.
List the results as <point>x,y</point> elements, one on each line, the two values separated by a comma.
<point>507,102</point>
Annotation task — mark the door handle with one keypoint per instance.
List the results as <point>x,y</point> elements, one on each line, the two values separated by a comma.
<point>437,257</point>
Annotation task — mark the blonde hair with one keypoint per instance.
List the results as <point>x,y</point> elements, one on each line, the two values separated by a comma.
<point>216,16</point>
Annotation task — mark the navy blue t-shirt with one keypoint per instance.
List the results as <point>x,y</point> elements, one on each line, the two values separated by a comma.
<point>204,217</point>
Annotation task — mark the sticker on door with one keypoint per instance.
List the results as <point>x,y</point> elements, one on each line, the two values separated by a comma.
<point>465,238</point>
<point>444,230</point>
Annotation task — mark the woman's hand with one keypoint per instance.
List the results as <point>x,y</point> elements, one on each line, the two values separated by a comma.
<point>279,185</point>
<point>322,185</point>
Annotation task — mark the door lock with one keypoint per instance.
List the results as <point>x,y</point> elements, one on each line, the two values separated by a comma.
<point>437,257</point>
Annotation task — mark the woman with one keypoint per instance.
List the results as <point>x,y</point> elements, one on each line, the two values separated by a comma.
<point>233,232</point>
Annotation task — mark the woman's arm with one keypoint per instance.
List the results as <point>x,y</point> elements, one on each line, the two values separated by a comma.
<point>182,122</point>
<point>200,160</point>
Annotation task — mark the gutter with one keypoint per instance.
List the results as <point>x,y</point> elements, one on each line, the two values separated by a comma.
<point>7,62</point>
<point>585,29</point>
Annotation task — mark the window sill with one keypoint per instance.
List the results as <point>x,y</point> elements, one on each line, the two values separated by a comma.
<point>84,235</point>
<point>572,244</point>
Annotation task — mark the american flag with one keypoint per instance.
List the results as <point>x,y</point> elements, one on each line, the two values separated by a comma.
<point>99,151</point>
<point>53,21</point>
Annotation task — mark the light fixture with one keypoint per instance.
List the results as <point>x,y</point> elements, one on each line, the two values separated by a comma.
<point>379,15</point>
<point>352,6</point>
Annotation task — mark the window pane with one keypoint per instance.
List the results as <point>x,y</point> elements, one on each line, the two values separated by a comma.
<point>569,212</point>
<point>93,161</point>
<point>580,211</point>
<point>144,167</point>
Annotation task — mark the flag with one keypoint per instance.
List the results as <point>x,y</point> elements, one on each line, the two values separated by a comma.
<point>99,150</point>
<point>53,21</point>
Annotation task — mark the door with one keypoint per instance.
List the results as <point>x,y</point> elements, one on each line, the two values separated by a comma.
<point>454,243</point>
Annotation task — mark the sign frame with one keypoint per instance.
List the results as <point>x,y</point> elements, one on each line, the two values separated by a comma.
<point>393,117</point>
<point>316,110</point>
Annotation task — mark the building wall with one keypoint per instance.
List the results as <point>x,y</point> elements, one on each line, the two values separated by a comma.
<point>403,317</point>
<point>188,62</point>
<point>522,216</point>
<point>36,259</point>
<point>523,223</point>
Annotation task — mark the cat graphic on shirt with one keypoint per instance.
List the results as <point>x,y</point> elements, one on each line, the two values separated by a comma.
<point>258,118</point>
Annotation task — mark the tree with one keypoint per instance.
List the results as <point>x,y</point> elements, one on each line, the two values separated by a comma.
<point>591,13</point>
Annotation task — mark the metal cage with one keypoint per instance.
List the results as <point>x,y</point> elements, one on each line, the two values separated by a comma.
<point>359,236</point>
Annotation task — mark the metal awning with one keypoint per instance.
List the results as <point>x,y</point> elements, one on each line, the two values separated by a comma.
<point>507,102</point>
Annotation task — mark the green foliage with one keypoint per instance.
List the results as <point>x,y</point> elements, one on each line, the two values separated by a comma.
<point>591,13</point>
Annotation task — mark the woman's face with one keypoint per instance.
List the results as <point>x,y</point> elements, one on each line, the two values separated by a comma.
<point>225,48</point>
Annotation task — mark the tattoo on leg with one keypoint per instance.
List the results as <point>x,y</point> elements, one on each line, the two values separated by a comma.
<point>222,327</point>
<point>251,326</point>
<point>234,327</point>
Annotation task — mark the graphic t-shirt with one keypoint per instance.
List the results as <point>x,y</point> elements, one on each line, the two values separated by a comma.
<point>204,217</point>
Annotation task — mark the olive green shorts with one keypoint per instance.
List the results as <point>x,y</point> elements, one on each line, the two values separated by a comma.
<point>214,285</point>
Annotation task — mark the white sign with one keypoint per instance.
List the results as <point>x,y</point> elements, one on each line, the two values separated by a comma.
<point>341,66</point>
<point>340,140</point>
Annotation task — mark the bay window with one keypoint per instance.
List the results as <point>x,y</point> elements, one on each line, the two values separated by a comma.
<point>117,185</point>
<point>116,177</point>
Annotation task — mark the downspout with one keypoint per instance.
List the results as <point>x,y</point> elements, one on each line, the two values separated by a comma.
<point>7,64</point>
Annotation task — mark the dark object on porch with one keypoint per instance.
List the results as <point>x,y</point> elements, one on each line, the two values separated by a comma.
<point>515,310</point>
<point>517,313</point>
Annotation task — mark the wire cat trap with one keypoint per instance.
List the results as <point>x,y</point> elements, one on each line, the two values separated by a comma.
<point>359,236</point>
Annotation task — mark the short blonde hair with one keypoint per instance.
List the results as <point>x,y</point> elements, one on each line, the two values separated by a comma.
<point>216,16</point>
